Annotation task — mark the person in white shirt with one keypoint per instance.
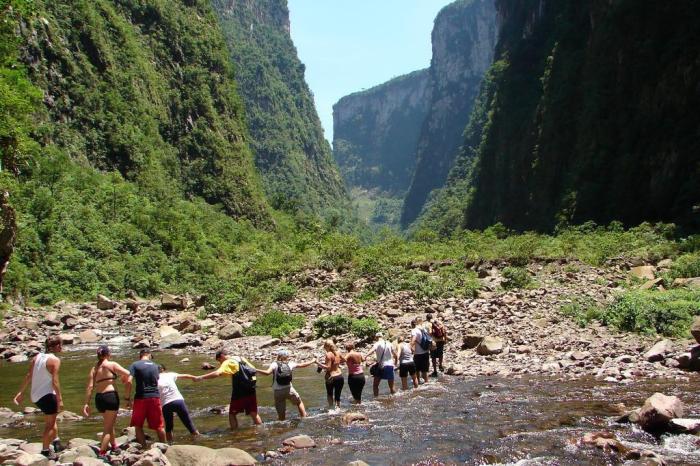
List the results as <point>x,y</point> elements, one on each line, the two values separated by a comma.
<point>281,371</point>
<point>406,364</point>
<point>421,355</point>
<point>46,392</point>
<point>387,360</point>
<point>172,402</point>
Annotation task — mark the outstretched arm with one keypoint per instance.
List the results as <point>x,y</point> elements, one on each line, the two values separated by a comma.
<point>307,363</point>
<point>267,371</point>
<point>210,375</point>
<point>27,378</point>
<point>187,376</point>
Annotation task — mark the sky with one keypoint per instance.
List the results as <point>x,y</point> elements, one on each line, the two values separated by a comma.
<point>350,45</point>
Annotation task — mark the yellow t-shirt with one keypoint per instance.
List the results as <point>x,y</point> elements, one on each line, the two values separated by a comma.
<point>230,366</point>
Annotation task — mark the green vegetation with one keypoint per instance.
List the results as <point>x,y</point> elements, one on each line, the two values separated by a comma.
<point>686,266</point>
<point>286,135</point>
<point>516,277</point>
<point>340,324</point>
<point>583,116</point>
<point>582,311</point>
<point>276,324</point>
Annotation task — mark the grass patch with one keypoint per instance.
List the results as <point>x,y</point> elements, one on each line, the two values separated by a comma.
<point>516,277</point>
<point>276,324</point>
<point>582,311</point>
<point>340,324</point>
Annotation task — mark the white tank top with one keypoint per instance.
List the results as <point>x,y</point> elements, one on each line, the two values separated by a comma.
<point>41,378</point>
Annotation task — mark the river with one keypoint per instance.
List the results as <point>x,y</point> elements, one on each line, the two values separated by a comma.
<point>487,420</point>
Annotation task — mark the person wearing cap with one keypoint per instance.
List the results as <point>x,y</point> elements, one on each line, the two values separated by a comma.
<point>146,405</point>
<point>243,386</point>
<point>102,381</point>
<point>387,359</point>
<point>173,402</point>
<point>281,371</point>
<point>46,392</point>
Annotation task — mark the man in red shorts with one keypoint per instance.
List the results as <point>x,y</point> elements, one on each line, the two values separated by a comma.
<point>146,407</point>
<point>243,397</point>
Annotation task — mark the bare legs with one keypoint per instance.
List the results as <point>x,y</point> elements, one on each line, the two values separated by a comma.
<point>233,421</point>
<point>50,431</point>
<point>108,436</point>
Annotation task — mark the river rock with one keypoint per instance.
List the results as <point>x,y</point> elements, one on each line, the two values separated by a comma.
<point>12,442</point>
<point>490,345</point>
<point>690,360</point>
<point>69,339</point>
<point>231,331</point>
<point>659,351</point>
<point>270,342</point>
<point>353,417</point>
<point>169,301</point>
<point>68,416</point>
<point>471,341</point>
<point>685,426</point>
<point>299,441</point>
<point>155,457</point>
<point>357,463</point>
<point>27,459</point>
<point>695,328</point>
<point>187,455</point>
<point>31,448</point>
<point>658,410</point>
<point>88,461</point>
<point>71,454</point>
<point>89,336</point>
<point>643,272</point>
<point>19,358</point>
<point>81,442</point>
<point>166,331</point>
<point>104,303</point>
<point>207,366</point>
<point>69,321</point>
<point>604,440</point>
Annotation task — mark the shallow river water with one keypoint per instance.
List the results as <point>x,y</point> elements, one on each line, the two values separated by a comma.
<point>485,420</point>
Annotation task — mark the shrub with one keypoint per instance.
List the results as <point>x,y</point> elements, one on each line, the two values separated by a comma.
<point>582,311</point>
<point>686,266</point>
<point>276,324</point>
<point>516,277</point>
<point>338,251</point>
<point>668,313</point>
<point>365,328</point>
<point>330,326</point>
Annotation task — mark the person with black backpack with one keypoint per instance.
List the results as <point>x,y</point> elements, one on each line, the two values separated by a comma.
<point>281,371</point>
<point>243,380</point>
<point>439,334</point>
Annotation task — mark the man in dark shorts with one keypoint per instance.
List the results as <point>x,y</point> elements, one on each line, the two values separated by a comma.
<point>46,393</point>
<point>420,355</point>
<point>243,397</point>
<point>146,407</point>
<point>439,334</point>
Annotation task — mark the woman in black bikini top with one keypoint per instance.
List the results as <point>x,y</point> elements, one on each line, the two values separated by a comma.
<point>106,398</point>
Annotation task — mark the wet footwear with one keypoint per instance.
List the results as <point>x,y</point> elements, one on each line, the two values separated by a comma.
<point>434,374</point>
<point>49,455</point>
<point>57,447</point>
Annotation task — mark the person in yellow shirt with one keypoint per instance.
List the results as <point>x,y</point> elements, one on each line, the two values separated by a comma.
<point>243,397</point>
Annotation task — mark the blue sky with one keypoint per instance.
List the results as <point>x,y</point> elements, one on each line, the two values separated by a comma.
<point>350,45</point>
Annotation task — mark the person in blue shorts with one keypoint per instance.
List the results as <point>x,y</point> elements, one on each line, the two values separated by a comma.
<point>387,360</point>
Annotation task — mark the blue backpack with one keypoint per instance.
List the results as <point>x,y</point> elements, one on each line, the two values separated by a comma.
<point>425,340</point>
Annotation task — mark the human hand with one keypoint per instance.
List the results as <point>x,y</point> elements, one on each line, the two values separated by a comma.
<point>128,404</point>
<point>60,405</point>
<point>198,378</point>
<point>18,398</point>
<point>86,410</point>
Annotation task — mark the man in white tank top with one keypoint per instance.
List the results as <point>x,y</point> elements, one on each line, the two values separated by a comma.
<point>46,392</point>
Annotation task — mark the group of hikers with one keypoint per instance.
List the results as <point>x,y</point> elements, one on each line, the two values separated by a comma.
<point>157,398</point>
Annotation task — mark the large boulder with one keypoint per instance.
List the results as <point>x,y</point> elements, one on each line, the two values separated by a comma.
<point>685,426</point>
<point>187,455</point>
<point>154,457</point>
<point>230,331</point>
<point>690,360</point>
<point>354,417</point>
<point>166,331</point>
<point>659,351</point>
<point>69,339</point>
<point>89,336</point>
<point>27,459</point>
<point>658,410</point>
<point>169,301</point>
<point>104,303</point>
<point>695,328</point>
<point>643,272</point>
<point>471,341</point>
<point>490,345</point>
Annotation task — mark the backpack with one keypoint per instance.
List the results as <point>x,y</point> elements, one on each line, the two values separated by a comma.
<point>283,374</point>
<point>425,340</point>
<point>245,379</point>
<point>438,331</point>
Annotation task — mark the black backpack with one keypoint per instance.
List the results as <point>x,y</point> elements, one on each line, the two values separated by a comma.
<point>245,379</point>
<point>283,374</point>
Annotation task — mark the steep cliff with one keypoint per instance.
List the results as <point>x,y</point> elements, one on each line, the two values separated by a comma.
<point>286,133</point>
<point>464,38</point>
<point>589,114</point>
<point>375,132</point>
<point>145,88</point>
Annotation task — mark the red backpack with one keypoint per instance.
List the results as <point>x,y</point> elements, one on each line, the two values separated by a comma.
<point>438,330</point>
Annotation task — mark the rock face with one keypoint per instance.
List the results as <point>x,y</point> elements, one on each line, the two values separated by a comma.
<point>464,39</point>
<point>658,410</point>
<point>607,163</point>
<point>186,455</point>
<point>375,132</point>
<point>286,135</point>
